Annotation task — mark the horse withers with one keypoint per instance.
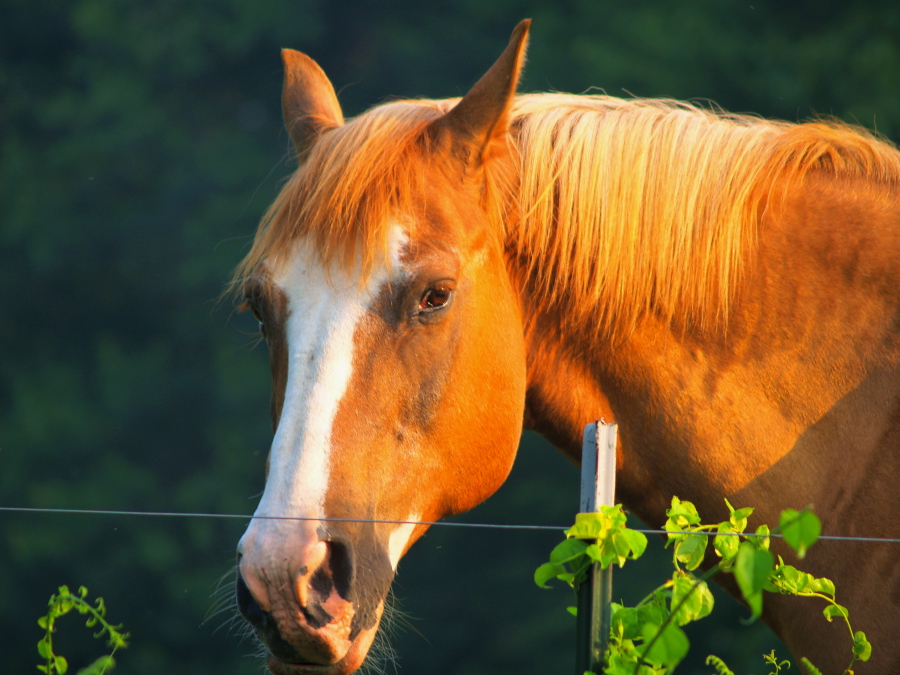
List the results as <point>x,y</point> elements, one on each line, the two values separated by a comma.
<point>437,274</point>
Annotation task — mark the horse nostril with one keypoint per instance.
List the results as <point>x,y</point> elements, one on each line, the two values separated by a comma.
<point>334,576</point>
<point>247,605</point>
<point>341,564</point>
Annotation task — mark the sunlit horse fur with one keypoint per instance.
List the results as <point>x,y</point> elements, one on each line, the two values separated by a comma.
<point>436,274</point>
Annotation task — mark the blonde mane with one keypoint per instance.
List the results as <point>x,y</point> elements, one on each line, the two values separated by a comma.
<point>623,206</point>
<point>355,178</point>
<point>630,206</point>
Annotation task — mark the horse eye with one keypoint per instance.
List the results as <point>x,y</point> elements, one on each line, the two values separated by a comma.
<point>256,315</point>
<point>436,297</point>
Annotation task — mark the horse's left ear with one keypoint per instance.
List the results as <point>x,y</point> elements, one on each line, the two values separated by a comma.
<point>482,116</point>
<point>308,101</point>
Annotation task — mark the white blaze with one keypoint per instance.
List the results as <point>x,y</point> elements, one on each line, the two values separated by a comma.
<point>399,538</point>
<point>324,312</point>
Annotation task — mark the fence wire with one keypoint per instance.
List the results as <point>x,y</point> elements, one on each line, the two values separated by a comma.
<point>441,523</point>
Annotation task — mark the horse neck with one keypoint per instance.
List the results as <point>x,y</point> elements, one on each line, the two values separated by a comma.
<point>747,408</point>
<point>795,401</point>
<point>652,383</point>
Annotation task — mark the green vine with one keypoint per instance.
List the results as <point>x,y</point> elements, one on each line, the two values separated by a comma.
<point>719,665</point>
<point>647,639</point>
<point>61,604</point>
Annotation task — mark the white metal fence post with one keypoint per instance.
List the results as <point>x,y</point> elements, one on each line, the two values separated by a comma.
<point>598,486</point>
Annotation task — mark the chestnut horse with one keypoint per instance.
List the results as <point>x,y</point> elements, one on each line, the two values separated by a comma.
<point>438,274</point>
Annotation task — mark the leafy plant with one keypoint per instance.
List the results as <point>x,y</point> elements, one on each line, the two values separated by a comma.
<point>647,639</point>
<point>61,604</point>
<point>773,661</point>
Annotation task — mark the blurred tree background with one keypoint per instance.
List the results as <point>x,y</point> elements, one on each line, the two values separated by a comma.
<point>139,144</point>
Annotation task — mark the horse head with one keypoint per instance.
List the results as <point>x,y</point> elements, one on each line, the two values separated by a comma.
<point>396,348</point>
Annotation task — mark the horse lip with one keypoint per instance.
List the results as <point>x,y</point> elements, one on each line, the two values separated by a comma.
<point>279,667</point>
<point>284,659</point>
<point>281,651</point>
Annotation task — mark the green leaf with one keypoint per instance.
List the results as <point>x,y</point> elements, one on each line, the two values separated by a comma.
<point>624,621</point>
<point>751,570</point>
<point>546,572</point>
<point>862,649</point>
<point>691,550</point>
<point>61,664</point>
<point>726,542</point>
<point>692,603</point>
<point>738,517</point>
<point>761,540</point>
<point>800,529</point>
<point>620,546</point>
<point>809,667</point>
<point>588,526</point>
<point>681,515</point>
<point>44,648</point>
<point>595,553</point>
<point>670,647</point>
<point>566,550</point>
<point>655,611</point>
<point>788,579</point>
<point>835,611</point>
<point>637,542</point>
<point>822,585</point>
<point>623,660</point>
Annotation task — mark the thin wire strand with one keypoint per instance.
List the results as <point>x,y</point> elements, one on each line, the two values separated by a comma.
<point>445,523</point>
<point>240,516</point>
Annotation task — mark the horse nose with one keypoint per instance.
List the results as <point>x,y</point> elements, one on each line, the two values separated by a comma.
<point>271,560</point>
<point>313,584</point>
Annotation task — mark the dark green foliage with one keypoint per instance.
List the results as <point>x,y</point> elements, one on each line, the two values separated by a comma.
<point>139,144</point>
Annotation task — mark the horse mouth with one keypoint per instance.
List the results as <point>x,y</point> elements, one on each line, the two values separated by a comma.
<point>351,661</point>
<point>279,667</point>
<point>285,658</point>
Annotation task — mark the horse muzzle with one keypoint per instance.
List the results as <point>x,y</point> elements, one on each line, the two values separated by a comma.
<point>301,606</point>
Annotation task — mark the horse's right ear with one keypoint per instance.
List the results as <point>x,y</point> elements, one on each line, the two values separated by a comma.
<point>308,101</point>
<point>481,118</point>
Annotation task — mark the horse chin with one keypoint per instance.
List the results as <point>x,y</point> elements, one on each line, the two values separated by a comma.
<point>351,660</point>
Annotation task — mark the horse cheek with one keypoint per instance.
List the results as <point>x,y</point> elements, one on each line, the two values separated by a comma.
<point>489,388</point>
